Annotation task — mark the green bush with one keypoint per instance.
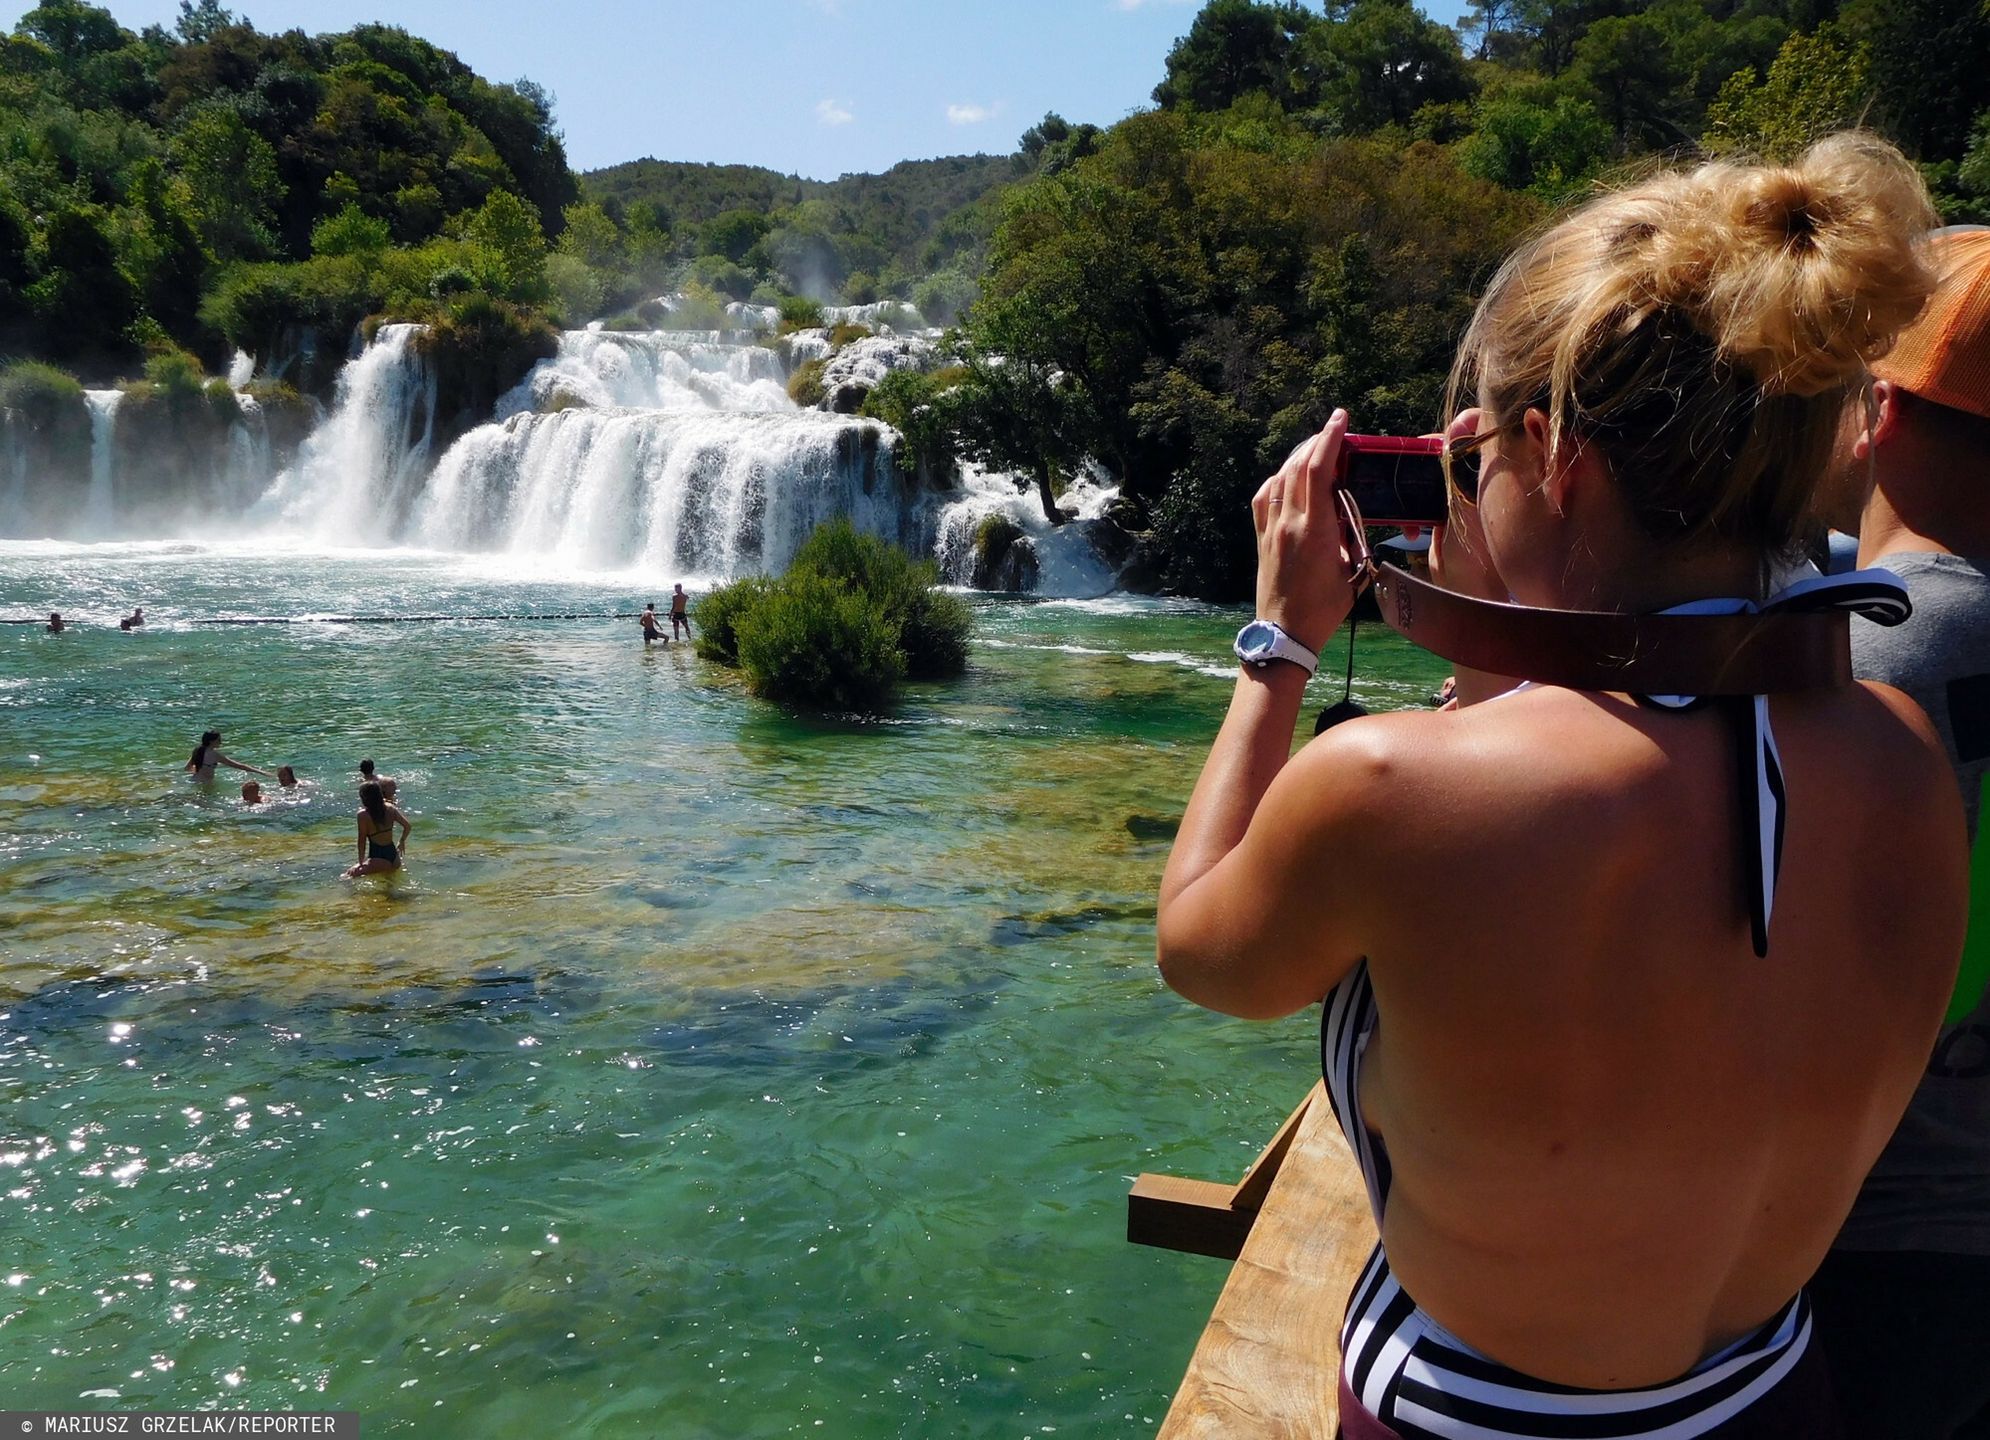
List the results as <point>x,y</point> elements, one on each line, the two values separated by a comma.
<point>843,334</point>
<point>805,386</point>
<point>45,395</point>
<point>934,635</point>
<point>933,627</point>
<point>718,617</point>
<point>811,642</point>
<point>799,313</point>
<point>853,617</point>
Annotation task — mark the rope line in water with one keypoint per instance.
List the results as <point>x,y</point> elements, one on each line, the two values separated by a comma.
<point>349,619</point>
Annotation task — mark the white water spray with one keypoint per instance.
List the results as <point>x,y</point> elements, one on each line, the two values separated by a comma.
<point>359,473</point>
<point>100,506</point>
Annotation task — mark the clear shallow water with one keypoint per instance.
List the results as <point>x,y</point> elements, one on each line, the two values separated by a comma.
<point>707,1073</point>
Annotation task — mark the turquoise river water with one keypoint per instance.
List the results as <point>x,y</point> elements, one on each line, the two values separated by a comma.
<point>707,1072</point>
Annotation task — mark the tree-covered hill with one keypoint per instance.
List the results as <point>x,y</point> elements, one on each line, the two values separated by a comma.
<point>1305,218</point>
<point>857,238</point>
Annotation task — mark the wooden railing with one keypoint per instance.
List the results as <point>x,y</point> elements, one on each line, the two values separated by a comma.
<point>1298,1228</point>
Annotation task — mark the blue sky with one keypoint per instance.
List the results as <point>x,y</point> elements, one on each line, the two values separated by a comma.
<point>814,87</point>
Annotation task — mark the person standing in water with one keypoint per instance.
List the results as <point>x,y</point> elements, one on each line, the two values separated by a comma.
<point>378,851</point>
<point>680,614</point>
<point>135,620</point>
<point>207,755</point>
<point>648,621</point>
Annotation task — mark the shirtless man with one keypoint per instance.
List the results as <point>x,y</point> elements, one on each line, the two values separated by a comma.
<point>650,629</point>
<point>680,614</point>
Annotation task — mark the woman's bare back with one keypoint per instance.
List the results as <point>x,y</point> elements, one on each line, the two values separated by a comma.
<point>1588,1084</point>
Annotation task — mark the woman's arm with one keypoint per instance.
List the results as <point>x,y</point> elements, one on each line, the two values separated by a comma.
<point>1261,908</point>
<point>362,835</point>
<point>406,824</point>
<point>238,765</point>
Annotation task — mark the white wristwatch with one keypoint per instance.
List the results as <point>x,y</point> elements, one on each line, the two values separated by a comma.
<point>1261,642</point>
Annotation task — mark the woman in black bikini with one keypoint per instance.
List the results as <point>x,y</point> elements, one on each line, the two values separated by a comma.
<point>378,853</point>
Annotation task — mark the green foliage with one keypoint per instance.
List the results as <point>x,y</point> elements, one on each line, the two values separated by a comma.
<point>1551,148</point>
<point>230,182</point>
<point>507,229</point>
<point>913,404</point>
<point>811,643</point>
<point>853,617</point>
<point>843,332</point>
<point>718,617</point>
<point>350,232</point>
<point>799,313</point>
<point>805,386</point>
<point>42,394</point>
<point>1816,84</point>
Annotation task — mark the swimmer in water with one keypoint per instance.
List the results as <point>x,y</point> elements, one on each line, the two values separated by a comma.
<point>389,786</point>
<point>378,852</point>
<point>252,793</point>
<point>207,755</point>
<point>55,622</point>
<point>286,777</point>
<point>134,620</point>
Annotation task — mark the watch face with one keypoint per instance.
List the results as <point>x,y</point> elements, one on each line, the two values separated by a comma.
<point>1255,640</point>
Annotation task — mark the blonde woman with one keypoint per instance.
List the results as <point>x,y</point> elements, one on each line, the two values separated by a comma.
<point>1614,1023</point>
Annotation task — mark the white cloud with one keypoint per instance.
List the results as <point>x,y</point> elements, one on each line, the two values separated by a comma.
<point>834,112</point>
<point>972,114</point>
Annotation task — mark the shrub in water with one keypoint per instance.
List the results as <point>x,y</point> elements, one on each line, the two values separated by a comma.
<point>809,641</point>
<point>853,616</point>
<point>718,617</point>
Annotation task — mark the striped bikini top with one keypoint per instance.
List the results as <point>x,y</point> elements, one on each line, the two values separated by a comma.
<point>1349,1017</point>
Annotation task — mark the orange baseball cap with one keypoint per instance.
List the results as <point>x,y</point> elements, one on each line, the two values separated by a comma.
<point>1944,356</point>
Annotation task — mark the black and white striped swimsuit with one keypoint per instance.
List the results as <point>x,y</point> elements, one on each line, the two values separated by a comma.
<point>1412,1378</point>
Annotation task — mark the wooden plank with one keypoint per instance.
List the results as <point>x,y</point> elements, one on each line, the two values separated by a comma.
<point>1193,1216</point>
<point>1266,1364</point>
<point>1256,1183</point>
<point>1201,1217</point>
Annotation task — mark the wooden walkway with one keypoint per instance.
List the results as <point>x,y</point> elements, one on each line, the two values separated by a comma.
<point>1266,1364</point>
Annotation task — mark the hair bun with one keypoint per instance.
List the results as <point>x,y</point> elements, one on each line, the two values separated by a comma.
<point>1802,274</point>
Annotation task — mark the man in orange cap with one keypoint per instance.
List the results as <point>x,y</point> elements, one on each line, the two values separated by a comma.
<point>1903,1301</point>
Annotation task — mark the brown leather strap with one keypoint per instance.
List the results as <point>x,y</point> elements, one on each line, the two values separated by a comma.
<point>1639,654</point>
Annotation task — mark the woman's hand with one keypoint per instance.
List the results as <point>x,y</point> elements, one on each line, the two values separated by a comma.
<point>1305,563</point>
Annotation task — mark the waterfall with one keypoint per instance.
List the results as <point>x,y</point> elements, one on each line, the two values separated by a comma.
<point>652,370</point>
<point>359,473</point>
<point>100,509</point>
<point>1054,559</point>
<point>685,493</point>
<point>248,452</point>
<point>14,509</point>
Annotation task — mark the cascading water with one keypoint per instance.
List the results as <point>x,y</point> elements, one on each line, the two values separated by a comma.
<point>100,505</point>
<point>1049,559</point>
<point>694,493</point>
<point>359,473</point>
<point>673,451</point>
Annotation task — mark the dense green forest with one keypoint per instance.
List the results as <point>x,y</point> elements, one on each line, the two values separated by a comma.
<point>1306,215</point>
<point>1301,220</point>
<point>917,232</point>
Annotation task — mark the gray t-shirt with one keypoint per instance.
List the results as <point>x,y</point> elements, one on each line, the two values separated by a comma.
<point>1930,1190</point>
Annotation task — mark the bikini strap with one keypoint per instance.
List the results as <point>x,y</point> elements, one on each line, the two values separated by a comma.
<point>1875,594</point>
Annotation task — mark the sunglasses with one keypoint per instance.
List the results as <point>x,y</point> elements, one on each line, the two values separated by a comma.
<point>1463,465</point>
